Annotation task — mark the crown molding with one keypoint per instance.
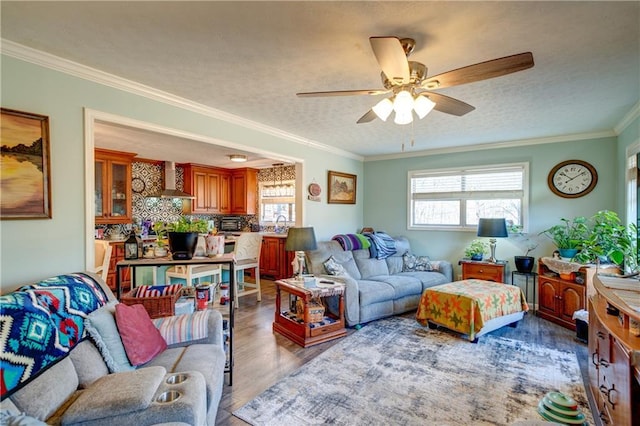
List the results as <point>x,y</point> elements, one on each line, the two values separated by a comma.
<point>495,145</point>
<point>47,60</point>
<point>628,119</point>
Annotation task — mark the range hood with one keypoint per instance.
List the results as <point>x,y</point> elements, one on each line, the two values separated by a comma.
<point>170,190</point>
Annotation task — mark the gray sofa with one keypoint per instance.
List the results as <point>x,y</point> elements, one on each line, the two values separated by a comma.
<point>81,388</point>
<point>378,288</point>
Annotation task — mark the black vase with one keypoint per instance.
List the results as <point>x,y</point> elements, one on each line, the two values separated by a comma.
<point>182,244</point>
<point>524,264</point>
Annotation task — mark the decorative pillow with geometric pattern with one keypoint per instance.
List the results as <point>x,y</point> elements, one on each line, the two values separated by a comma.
<point>412,263</point>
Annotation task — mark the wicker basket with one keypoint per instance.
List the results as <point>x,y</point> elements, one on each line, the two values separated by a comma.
<point>161,306</point>
<point>315,310</point>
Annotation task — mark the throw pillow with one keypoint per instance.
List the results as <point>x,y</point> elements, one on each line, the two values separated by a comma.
<point>102,329</point>
<point>141,339</point>
<point>333,267</point>
<point>412,263</point>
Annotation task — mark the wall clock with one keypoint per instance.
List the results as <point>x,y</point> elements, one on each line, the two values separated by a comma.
<point>137,185</point>
<point>572,179</point>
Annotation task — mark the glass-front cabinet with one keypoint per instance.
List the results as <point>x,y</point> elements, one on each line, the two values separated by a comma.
<point>113,186</point>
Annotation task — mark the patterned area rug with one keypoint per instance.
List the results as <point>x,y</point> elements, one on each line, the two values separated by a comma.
<point>396,372</point>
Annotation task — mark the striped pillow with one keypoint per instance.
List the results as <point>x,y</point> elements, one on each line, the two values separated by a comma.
<point>183,328</point>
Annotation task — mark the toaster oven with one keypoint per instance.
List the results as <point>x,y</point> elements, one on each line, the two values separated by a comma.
<point>230,224</point>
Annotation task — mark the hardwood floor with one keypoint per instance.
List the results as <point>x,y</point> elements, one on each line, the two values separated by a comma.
<point>261,358</point>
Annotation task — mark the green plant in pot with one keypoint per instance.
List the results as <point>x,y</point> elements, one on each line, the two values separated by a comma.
<point>610,242</point>
<point>529,243</point>
<point>183,236</point>
<point>476,250</point>
<point>569,236</point>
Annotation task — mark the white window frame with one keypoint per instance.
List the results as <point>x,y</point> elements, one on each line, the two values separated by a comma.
<point>468,195</point>
<point>278,200</point>
<point>631,184</point>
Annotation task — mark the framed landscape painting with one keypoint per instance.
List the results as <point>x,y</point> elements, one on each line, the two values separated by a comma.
<point>342,188</point>
<point>24,173</point>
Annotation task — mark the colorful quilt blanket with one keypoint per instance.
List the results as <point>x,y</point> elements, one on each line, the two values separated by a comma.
<point>466,305</point>
<point>40,323</point>
<point>352,241</point>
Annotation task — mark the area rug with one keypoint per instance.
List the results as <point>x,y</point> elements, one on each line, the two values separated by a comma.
<point>396,372</point>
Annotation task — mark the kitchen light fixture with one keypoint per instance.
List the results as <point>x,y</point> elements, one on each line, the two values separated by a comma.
<point>492,228</point>
<point>404,104</point>
<point>238,158</point>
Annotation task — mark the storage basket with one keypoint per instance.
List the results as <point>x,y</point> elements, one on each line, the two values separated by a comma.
<point>315,310</point>
<point>161,306</point>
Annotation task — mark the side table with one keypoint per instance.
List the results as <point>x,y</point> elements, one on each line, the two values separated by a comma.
<point>527,275</point>
<point>297,326</point>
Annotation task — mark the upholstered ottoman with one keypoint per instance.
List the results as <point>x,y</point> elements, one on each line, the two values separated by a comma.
<point>471,307</point>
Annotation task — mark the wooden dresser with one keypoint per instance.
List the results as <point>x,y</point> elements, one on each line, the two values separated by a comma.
<point>614,364</point>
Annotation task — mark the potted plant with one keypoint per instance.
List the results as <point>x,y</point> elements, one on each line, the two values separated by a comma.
<point>476,250</point>
<point>610,242</point>
<point>568,236</point>
<point>524,263</point>
<point>183,236</point>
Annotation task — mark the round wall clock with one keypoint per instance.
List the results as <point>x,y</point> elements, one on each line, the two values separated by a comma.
<point>572,179</point>
<point>137,185</point>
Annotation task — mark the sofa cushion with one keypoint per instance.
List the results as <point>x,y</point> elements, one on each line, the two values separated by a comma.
<point>428,279</point>
<point>101,326</point>
<point>88,362</point>
<point>374,291</point>
<point>42,397</point>
<point>368,266</point>
<point>394,264</point>
<point>140,338</point>
<point>402,285</point>
<point>116,394</point>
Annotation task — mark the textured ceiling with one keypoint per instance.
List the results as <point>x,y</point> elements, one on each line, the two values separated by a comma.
<point>250,58</point>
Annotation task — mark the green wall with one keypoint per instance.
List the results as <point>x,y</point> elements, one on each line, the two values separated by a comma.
<point>36,249</point>
<point>386,184</point>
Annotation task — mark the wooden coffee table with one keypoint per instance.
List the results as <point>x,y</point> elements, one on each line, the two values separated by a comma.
<point>298,327</point>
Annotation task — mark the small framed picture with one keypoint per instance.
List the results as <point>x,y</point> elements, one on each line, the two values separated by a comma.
<point>342,188</point>
<point>25,178</point>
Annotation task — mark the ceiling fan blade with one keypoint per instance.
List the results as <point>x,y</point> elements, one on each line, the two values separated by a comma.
<point>447,104</point>
<point>369,116</point>
<point>343,93</point>
<point>392,59</point>
<point>482,71</point>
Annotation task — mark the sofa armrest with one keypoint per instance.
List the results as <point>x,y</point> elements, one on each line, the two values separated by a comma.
<point>445,268</point>
<point>351,297</point>
<point>188,329</point>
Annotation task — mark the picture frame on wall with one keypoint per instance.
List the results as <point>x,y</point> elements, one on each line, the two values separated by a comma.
<point>25,179</point>
<point>342,188</point>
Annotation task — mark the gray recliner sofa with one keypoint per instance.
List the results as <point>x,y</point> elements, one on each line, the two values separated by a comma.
<point>180,385</point>
<point>378,288</point>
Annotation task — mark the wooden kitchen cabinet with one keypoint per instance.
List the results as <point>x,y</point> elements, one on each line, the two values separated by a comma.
<point>117,254</point>
<point>204,183</point>
<point>244,191</point>
<point>482,270</point>
<point>614,380</point>
<point>112,188</point>
<point>225,193</point>
<point>275,261</point>
<point>558,299</point>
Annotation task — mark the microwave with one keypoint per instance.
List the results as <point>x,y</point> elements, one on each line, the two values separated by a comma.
<point>230,224</point>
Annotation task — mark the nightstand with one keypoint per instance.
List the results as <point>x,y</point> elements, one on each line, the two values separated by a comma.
<point>483,270</point>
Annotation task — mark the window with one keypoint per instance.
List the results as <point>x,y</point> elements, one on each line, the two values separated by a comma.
<point>277,199</point>
<point>457,198</point>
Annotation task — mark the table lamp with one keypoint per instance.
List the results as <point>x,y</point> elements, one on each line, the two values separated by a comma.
<point>492,228</point>
<point>299,240</point>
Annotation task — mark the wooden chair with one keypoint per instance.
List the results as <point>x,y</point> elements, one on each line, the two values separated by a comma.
<point>189,273</point>
<point>102,258</point>
<point>246,255</point>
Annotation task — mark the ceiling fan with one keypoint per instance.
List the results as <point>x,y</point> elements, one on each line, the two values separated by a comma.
<point>411,90</point>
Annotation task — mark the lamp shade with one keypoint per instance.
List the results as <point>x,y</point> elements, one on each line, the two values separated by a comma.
<point>301,239</point>
<point>492,228</point>
<point>383,109</point>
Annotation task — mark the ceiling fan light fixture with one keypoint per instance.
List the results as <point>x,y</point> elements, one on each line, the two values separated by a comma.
<point>423,106</point>
<point>383,109</point>
<point>238,158</point>
<point>403,103</point>
<point>403,117</point>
